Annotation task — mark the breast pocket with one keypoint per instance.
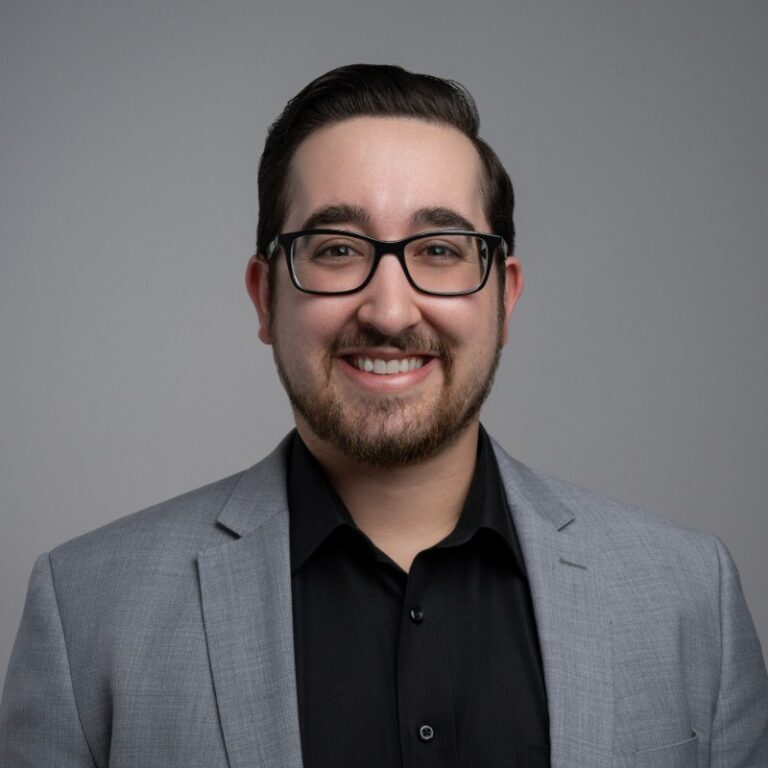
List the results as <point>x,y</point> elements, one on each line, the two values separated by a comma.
<point>683,754</point>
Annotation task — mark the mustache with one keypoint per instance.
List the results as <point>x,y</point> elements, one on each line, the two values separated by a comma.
<point>411,341</point>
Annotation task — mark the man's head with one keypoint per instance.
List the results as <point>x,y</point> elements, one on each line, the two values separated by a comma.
<point>389,154</point>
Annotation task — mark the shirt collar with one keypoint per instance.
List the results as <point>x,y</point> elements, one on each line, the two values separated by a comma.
<point>316,510</point>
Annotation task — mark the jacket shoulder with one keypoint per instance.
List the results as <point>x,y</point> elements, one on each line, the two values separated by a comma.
<point>606,521</point>
<point>183,524</point>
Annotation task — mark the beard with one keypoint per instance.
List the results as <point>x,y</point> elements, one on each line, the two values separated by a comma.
<point>391,430</point>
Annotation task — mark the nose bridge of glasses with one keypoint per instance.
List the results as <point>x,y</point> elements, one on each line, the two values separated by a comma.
<point>394,248</point>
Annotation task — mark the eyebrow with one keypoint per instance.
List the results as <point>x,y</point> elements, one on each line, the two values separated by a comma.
<point>340,213</point>
<point>441,217</point>
<point>344,213</point>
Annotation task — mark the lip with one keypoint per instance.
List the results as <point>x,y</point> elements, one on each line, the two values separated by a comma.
<point>392,382</point>
<point>383,353</point>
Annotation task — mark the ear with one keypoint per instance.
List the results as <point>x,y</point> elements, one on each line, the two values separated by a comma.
<point>513,287</point>
<point>257,285</point>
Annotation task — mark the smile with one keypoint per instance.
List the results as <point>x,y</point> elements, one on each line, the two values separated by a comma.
<point>386,367</point>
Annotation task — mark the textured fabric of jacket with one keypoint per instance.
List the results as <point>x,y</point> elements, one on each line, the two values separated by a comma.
<point>165,639</point>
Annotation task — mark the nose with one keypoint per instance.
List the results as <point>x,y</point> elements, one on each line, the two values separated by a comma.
<point>389,303</point>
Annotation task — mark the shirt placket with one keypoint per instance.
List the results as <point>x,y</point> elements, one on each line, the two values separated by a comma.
<point>425,706</point>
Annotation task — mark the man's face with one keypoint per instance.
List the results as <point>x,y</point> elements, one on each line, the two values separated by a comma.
<point>388,178</point>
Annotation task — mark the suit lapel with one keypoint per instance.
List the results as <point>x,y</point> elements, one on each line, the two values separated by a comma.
<point>564,573</point>
<point>246,597</point>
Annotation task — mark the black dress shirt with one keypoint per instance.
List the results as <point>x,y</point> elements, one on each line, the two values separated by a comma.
<point>438,667</point>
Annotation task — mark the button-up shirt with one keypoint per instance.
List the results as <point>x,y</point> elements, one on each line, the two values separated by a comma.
<point>437,667</point>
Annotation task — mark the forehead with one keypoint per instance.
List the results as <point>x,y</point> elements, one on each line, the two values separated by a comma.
<point>388,166</point>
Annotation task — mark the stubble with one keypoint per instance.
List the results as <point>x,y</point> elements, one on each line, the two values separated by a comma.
<point>393,429</point>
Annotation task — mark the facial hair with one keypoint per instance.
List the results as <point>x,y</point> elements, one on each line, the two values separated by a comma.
<point>391,430</point>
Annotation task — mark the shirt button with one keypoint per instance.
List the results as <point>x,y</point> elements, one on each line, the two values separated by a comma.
<point>417,615</point>
<point>426,732</point>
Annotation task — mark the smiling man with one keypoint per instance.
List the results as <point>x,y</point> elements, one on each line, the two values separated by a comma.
<point>387,350</point>
<point>388,587</point>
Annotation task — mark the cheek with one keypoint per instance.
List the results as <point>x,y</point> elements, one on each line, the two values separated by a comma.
<point>312,320</point>
<point>467,321</point>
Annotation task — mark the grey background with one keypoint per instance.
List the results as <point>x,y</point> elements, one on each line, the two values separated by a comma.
<point>130,134</point>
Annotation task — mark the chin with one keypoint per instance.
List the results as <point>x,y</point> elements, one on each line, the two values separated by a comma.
<point>393,440</point>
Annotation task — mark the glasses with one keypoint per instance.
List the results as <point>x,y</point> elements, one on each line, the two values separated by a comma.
<point>332,262</point>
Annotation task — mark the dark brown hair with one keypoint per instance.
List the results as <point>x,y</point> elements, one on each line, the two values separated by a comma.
<point>376,90</point>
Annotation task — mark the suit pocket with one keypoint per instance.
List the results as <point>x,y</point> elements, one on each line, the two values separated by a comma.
<point>683,754</point>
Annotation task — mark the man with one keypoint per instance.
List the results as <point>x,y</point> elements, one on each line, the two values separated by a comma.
<point>388,587</point>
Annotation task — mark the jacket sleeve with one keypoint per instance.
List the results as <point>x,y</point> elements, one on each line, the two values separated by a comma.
<point>740,727</point>
<point>39,722</point>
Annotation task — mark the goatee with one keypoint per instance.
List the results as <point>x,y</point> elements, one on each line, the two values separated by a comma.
<point>391,430</point>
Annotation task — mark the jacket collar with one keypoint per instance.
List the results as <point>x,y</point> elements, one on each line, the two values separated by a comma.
<point>259,494</point>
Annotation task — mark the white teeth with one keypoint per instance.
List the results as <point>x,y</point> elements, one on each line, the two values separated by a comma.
<point>388,367</point>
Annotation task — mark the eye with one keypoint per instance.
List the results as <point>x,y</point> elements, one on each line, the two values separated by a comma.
<point>336,250</point>
<point>440,252</point>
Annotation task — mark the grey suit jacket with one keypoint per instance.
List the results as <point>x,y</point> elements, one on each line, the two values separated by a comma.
<point>165,638</point>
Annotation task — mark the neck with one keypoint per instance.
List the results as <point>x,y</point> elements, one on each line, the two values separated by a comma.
<point>403,510</point>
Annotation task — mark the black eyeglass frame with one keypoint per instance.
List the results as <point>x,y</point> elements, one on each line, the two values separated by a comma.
<point>382,248</point>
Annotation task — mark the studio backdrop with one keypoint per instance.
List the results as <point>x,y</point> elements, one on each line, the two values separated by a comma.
<point>130,133</point>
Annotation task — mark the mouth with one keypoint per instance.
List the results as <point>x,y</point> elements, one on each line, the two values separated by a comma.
<point>386,370</point>
<point>386,366</point>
